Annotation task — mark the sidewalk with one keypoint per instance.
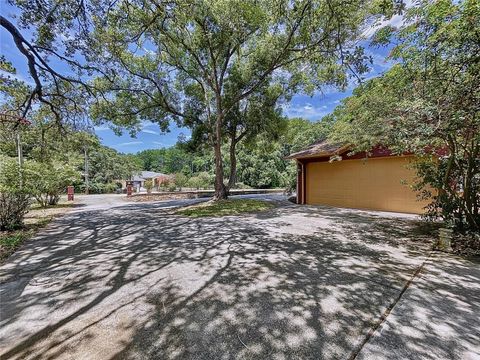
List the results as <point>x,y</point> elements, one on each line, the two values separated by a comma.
<point>438,317</point>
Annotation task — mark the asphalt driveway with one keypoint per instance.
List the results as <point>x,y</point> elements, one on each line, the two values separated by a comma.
<point>136,282</point>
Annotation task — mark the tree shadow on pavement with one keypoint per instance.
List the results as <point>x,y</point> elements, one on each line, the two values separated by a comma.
<point>438,318</point>
<point>138,282</point>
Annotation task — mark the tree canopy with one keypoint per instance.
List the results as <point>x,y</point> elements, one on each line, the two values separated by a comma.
<point>213,65</point>
<point>221,67</point>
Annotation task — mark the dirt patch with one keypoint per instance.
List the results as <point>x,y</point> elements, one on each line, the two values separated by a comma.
<point>38,214</point>
<point>466,244</point>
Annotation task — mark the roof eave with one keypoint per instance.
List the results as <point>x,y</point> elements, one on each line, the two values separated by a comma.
<point>319,154</point>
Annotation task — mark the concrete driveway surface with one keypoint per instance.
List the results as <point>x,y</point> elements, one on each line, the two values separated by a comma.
<point>134,281</point>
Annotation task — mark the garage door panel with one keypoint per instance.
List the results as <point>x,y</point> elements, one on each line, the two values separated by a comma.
<point>377,184</point>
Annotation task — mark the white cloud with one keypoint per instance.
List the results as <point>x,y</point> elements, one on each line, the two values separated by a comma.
<point>66,38</point>
<point>395,21</point>
<point>307,111</point>
<point>129,143</point>
<point>147,124</point>
<point>101,128</point>
<point>159,143</point>
<point>18,77</point>
<point>148,131</point>
<point>379,61</point>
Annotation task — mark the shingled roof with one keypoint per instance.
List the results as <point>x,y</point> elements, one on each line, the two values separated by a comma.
<point>321,148</point>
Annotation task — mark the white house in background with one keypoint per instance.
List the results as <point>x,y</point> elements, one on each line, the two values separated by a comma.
<point>138,180</point>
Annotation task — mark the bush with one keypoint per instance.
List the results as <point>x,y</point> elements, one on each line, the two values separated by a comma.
<point>180,180</point>
<point>14,194</point>
<point>110,188</point>
<point>194,182</point>
<point>164,181</point>
<point>466,243</point>
<point>13,207</point>
<point>49,180</point>
<point>148,185</point>
<point>99,188</point>
<point>240,185</point>
<point>206,179</point>
<point>201,181</point>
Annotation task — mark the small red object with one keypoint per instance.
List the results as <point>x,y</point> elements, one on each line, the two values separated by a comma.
<point>70,192</point>
<point>129,190</point>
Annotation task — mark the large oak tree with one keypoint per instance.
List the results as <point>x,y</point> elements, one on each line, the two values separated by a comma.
<point>200,63</point>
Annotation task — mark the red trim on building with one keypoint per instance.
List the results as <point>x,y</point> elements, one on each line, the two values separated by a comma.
<point>376,152</point>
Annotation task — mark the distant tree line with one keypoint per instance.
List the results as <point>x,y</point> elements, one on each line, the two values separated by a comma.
<point>259,164</point>
<point>52,158</point>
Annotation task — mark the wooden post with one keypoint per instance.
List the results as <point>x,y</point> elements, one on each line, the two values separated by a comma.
<point>70,193</point>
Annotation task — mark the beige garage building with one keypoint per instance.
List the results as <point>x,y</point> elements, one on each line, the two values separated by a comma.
<point>382,181</point>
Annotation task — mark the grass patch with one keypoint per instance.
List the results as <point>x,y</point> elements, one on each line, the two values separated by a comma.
<point>225,208</point>
<point>11,240</point>
<point>61,205</point>
<point>34,220</point>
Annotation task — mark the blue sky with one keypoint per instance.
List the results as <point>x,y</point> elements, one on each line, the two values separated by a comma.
<point>311,108</point>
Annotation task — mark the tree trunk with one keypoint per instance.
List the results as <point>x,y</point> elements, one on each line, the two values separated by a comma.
<point>86,170</point>
<point>232,179</point>
<point>53,199</point>
<point>469,194</point>
<point>220,189</point>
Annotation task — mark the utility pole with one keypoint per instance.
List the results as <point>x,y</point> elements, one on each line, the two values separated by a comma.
<point>19,148</point>
<point>86,169</point>
<point>18,121</point>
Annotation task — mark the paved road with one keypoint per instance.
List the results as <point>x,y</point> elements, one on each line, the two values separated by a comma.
<point>110,201</point>
<point>134,281</point>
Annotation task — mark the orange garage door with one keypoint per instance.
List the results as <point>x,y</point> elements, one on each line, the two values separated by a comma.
<point>376,183</point>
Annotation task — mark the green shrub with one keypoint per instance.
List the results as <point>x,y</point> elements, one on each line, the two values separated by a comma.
<point>49,180</point>
<point>148,185</point>
<point>15,194</point>
<point>110,188</point>
<point>201,180</point>
<point>99,188</point>
<point>180,180</point>
<point>240,185</point>
<point>194,182</point>
<point>206,180</point>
